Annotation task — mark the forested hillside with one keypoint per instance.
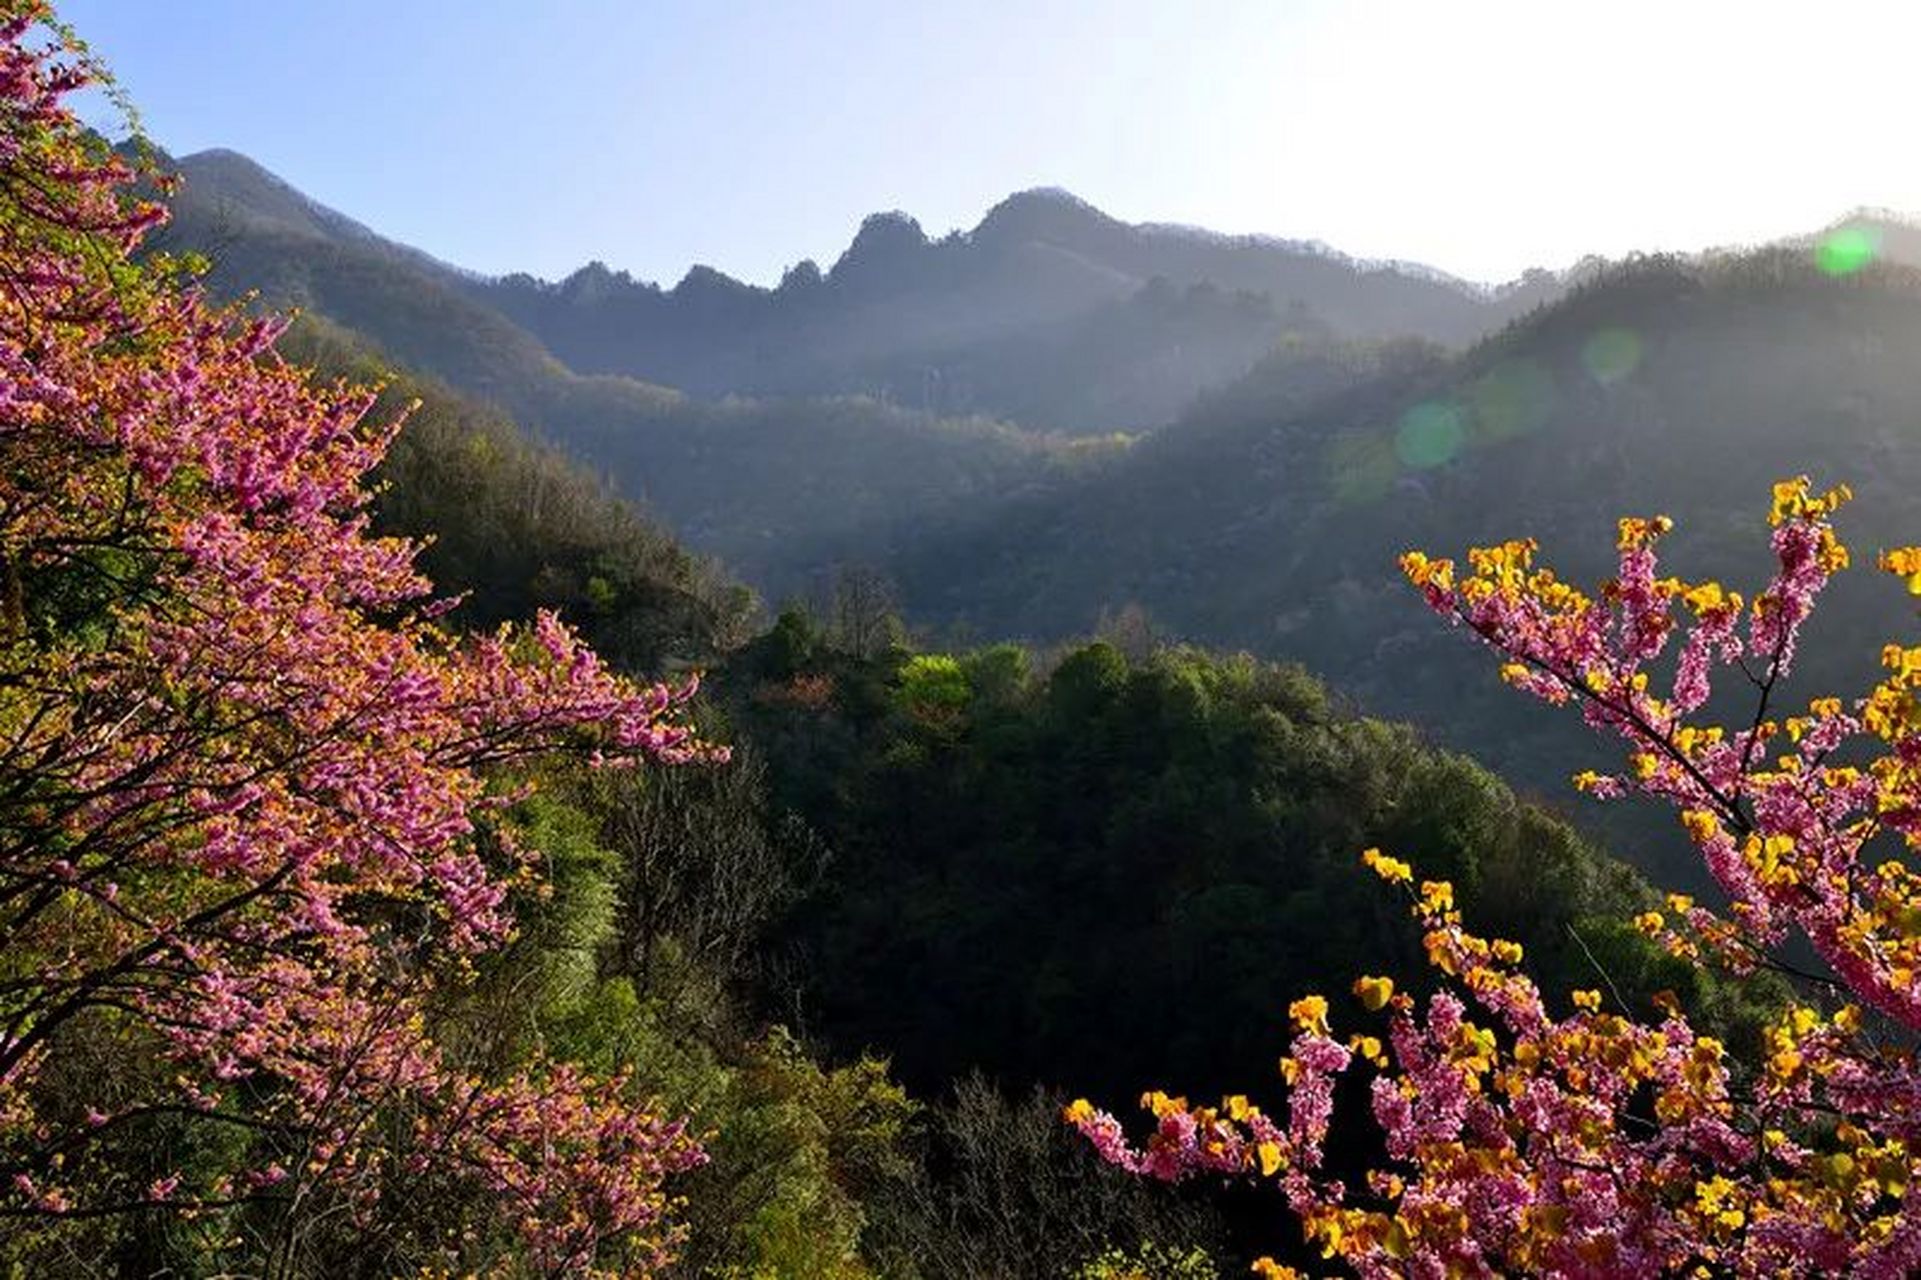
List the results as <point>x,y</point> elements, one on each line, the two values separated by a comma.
<point>775,488</point>
<point>517,526</point>
<point>579,780</point>
<point>1048,312</point>
<point>1078,866</point>
<point>1265,517</point>
<point>878,861</point>
<point>1268,519</point>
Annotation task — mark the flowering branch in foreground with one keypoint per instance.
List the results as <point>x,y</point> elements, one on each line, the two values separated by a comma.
<point>242,767</point>
<point>1593,1145</point>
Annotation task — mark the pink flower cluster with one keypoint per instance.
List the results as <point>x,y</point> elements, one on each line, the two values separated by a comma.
<point>1594,1145</point>
<point>242,766</point>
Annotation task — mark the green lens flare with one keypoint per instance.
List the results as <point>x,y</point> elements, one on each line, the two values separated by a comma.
<point>1611,355</point>
<point>1511,399</point>
<point>1844,252</point>
<point>1360,467</point>
<point>1429,434</point>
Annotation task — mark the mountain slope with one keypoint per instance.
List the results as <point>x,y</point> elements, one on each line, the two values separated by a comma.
<point>1666,386</point>
<point>515,526</point>
<point>1016,317</point>
<point>262,235</point>
<point>775,488</point>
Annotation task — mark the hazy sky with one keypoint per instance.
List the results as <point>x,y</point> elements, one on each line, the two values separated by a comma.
<point>653,134</point>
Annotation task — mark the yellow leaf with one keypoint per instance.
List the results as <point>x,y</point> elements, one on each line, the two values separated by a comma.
<point>1374,992</point>
<point>1309,1014</point>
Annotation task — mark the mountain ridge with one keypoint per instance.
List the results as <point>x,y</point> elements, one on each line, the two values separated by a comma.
<point>1268,514</point>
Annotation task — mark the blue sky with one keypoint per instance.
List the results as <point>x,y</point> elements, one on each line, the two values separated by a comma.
<point>654,134</point>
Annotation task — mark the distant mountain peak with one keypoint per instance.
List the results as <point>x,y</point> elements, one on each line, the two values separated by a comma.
<point>888,229</point>
<point>260,192</point>
<point>237,189</point>
<point>886,244</point>
<point>1045,197</point>
<point>595,282</point>
<point>703,280</point>
<point>1049,214</point>
<point>1878,215</point>
<point>224,155</point>
<point>1892,235</point>
<point>802,276</point>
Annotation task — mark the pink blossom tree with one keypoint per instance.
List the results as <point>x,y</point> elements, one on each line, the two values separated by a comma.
<point>243,767</point>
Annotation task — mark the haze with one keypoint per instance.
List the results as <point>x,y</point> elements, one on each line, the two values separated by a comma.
<point>1482,139</point>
